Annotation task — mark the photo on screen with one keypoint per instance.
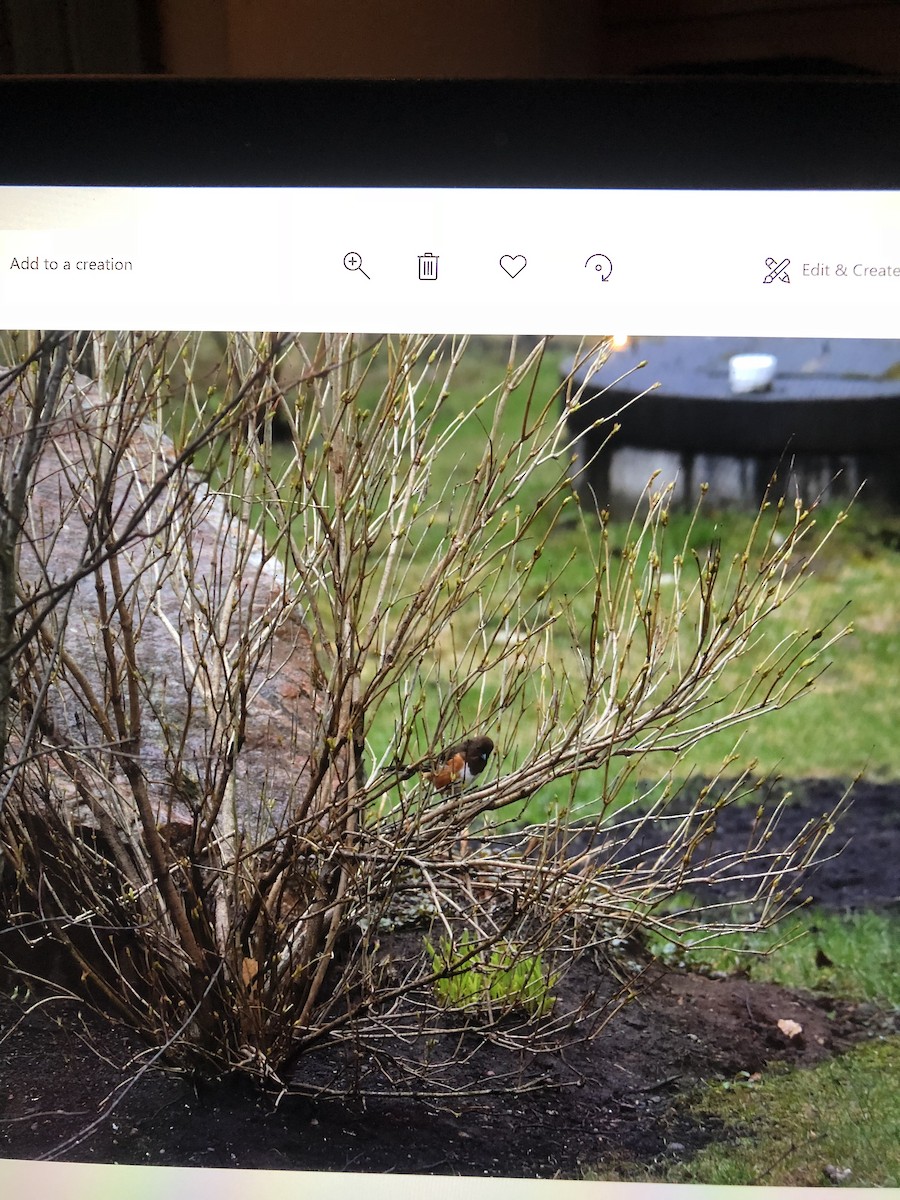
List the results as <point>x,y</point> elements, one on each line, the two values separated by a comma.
<point>453,755</point>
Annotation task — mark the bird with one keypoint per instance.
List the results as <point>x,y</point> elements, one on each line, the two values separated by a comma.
<point>459,765</point>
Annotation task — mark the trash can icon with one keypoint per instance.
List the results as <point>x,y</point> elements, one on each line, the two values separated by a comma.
<point>428,266</point>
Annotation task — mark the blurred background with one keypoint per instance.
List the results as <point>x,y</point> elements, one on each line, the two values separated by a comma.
<point>464,39</point>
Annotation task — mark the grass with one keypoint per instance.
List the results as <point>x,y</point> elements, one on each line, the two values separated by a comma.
<point>790,1125</point>
<point>855,955</point>
<point>784,1127</point>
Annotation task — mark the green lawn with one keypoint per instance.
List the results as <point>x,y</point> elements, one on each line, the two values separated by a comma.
<point>856,955</point>
<point>783,1127</point>
<point>788,1127</point>
<point>835,1124</point>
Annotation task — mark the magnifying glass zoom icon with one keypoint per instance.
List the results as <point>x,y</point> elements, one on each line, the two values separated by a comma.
<point>353,262</point>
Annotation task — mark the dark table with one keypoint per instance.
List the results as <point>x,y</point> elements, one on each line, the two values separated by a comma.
<point>832,412</point>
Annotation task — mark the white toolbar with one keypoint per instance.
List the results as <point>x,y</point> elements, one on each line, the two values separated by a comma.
<point>482,261</point>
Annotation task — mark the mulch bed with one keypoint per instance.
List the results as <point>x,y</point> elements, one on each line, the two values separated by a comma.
<point>600,1100</point>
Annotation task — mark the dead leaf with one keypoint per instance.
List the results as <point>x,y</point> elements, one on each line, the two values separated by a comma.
<point>790,1028</point>
<point>249,970</point>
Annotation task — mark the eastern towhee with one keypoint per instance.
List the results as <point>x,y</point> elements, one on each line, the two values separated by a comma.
<point>457,766</point>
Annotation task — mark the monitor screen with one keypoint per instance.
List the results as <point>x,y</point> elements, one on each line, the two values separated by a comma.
<point>447,570</point>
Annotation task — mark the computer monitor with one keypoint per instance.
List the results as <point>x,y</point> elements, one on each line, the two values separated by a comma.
<point>405,702</point>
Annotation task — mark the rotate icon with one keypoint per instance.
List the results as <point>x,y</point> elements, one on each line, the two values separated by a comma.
<point>602,264</point>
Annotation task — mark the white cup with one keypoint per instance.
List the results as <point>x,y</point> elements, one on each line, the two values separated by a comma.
<point>751,372</point>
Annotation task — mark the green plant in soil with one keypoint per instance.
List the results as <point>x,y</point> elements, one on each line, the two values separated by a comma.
<point>499,979</point>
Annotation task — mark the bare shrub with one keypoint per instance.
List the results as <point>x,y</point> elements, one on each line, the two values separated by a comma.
<point>225,662</point>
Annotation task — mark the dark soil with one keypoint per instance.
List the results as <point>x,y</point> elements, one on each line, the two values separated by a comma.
<point>592,1101</point>
<point>863,852</point>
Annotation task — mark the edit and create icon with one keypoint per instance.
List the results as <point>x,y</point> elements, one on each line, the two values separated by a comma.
<point>777,270</point>
<point>602,264</point>
<point>353,262</point>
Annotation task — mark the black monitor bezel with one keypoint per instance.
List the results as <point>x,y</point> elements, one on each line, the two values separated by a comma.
<point>707,133</point>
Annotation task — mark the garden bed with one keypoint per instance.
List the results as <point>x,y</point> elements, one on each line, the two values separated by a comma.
<point>604,1100</point>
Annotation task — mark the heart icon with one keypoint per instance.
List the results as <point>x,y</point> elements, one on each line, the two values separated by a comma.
<point>512,264</point>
